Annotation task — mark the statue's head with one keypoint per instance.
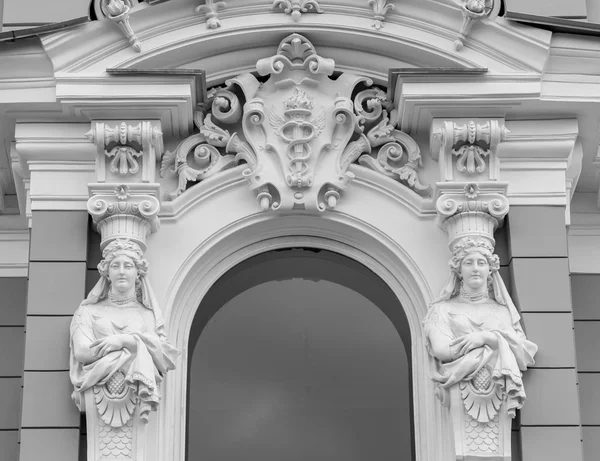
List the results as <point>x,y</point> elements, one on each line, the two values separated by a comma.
<point>123,264</point>
<point>474,255</point>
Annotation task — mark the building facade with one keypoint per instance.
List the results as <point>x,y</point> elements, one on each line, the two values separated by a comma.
<point>358,143</point>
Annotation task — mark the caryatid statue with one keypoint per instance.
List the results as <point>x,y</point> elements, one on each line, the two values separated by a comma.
<point>474,333</point>
<point>119,351</point>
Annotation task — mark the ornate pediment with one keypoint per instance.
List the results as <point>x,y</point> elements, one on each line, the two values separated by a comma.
<point>298,131</point>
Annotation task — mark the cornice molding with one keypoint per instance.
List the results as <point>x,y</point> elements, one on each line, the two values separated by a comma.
<point>129,97</point>
<point>14,253</point>
<point>423,32</point>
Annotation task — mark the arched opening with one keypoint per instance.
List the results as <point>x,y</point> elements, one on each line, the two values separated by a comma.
<point>300,354</point>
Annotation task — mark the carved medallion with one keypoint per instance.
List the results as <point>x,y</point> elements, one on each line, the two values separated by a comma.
<point>298,132</point>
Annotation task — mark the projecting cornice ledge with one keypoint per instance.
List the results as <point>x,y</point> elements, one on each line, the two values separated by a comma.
<point>541,160</point>
<point>417,33</point>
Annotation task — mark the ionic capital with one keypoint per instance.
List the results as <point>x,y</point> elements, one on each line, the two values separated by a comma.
<point>124,211</point>
<point>471,209</point>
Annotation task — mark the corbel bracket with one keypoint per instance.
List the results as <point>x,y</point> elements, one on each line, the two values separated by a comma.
<point>472,143</point>
<point>126,147</point>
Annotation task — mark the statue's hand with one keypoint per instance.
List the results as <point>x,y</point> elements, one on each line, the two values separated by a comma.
<point>474,340</point>
<point>111,344</point>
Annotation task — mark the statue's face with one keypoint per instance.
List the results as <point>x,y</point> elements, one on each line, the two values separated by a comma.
<point>122,273</point>
<point>474,271</point>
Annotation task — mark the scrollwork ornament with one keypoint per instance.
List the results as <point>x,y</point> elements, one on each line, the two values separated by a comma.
<point>226,106</point>
<point>299,133</point>
<point>399,156</point>
<point>374,99</point>
<point>197,157</point>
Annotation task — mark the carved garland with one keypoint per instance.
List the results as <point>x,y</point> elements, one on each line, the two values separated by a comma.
<point>298,132</point>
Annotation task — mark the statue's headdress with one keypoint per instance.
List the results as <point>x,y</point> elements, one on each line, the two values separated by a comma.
<point>472,231</point>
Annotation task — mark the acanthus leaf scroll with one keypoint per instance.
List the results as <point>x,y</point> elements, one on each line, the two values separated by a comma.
<point>298,132</point>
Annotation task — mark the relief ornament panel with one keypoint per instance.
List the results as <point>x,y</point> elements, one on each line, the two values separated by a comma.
<point>298,132</point>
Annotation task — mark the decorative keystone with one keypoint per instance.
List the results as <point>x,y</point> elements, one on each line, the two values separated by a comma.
<point>126,147</point>
<point>471,143</point>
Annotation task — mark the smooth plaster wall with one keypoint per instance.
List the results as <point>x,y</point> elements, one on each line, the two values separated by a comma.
<point>12,350</point>
<point>298,370</point>
<point>27,11</point>
<point>560,8</point>
<point>586,311</point>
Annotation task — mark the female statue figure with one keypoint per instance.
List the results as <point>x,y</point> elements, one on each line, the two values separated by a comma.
<point>473,330</point>
<point>118,345</point>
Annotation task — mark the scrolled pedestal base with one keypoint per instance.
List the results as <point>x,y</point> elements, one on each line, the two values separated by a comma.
<point>105,442</point>
<point>475,440</point>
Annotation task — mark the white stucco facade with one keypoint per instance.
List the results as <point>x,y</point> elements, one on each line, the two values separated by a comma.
<point>388,101</point>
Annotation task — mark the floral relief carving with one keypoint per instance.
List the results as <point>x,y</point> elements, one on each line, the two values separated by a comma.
<point>298,133</point>
<point>211,12</point>
<point>473,329</point>
<point>380,9</point>
<point>297,7</point>
<point>118,12</point>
